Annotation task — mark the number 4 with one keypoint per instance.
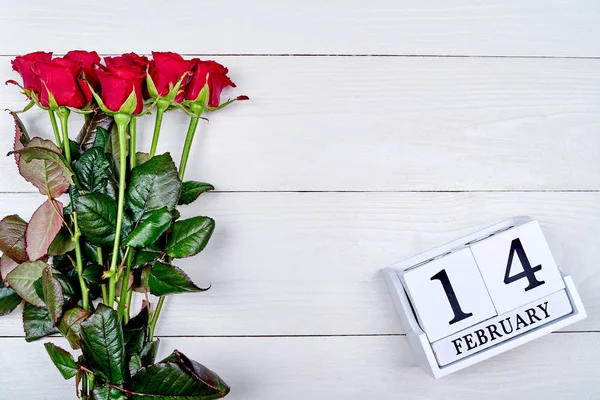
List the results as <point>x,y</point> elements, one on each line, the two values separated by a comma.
<point>528,272</point>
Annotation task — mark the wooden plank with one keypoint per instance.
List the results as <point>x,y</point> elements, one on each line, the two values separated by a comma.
<point>309,263</point>
<point>558,366</point>
<point>382,124</point>
<point>496,27</point>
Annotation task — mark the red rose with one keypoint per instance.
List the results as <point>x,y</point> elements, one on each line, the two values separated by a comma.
<point>117,83</point>
<point>166,69</point>
<point>127,60</point>
<point>61,78</point>
<point>87,60</point>
<point>23,64</point>
<point>211,73</point>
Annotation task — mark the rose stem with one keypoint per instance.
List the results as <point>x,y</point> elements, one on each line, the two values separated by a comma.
<point>55,128</point>
<point>63,115</point>
<point>184,157</point>
<point>122,121</point>
<point>161,106</point>
<point>189,137</point>
<point>124,301</point>
<point>103,286</point>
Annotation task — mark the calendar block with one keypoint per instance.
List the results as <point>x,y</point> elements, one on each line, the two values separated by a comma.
<point>517,266</point>
<point>481,295</point>
<point>501,328</point>
<point>448,293</point>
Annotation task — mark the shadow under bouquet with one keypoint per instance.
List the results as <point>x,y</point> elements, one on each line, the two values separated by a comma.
<point>110,224</point>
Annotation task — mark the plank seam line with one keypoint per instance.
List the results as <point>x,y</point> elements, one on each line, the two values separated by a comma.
<point>302,336</point>
<point>392,191</point>
<point>496,56</point>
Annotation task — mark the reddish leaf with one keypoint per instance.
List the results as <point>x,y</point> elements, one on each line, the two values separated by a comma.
<point>7,265</point>
<point>45,223</point>
<point>12,238</point>
<point>21,136</point>
<point>47,175</point>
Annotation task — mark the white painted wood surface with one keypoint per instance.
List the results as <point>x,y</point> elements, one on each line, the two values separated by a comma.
<point>428,27</point>
<point>298,308</point>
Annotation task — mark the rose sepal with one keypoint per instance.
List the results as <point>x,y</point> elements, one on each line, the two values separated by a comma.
<point>173,90</point>
<point>228,102</point>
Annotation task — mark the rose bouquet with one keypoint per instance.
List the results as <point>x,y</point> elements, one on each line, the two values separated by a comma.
<point>110,224</point>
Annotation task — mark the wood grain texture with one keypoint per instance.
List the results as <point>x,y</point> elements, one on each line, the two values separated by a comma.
<point>381,124</point>
<point>459,27</point>
<point>309,263</point>
<point>558,366</point>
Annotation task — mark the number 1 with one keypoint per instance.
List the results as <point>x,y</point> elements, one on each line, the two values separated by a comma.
<point>459,314</point>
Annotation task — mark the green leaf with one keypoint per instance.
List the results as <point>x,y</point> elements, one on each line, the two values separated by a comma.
<point>63,360</point>
<point>178,377</point>
<point>191,190</point>
<point>93,273</point>
<point>154,185</point>
<point>62,243</point>
<point>149,351</point>
<point>68,286</point>
<point>134,333</point>
<point>36,322</point>
<point>102,345</point>
<point>163,279</point>
<point>9,300</point>
<point>43,227</point>
<point>22,279</point>
<point>102,139</point>
<point>91,134</point>
<point>189,236</point>
<point>41,163</point>
<point>92,170</point>
<point>146,255</point>
<point>106,392</point>
<point>53,295</point>
<point>12,238</point>
<point>70,325</point>
<point>135,364</point>
<point>152,226</point>
<point>97,216</point>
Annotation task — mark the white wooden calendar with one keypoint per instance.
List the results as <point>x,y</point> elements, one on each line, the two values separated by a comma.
<point>481,295</point>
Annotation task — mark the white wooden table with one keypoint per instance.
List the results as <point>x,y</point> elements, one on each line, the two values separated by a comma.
<point>376,130</point>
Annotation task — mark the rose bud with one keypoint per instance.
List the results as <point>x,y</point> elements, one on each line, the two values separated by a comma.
<point>23,64</point>
<point>167,75</point>
<point>60,80</point>
<point>208,81</point>
<point>87,60</point>
<point>120,88</point>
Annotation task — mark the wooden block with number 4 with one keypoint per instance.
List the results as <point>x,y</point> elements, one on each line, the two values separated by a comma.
<point>447,293</point>
<point>517,266</point>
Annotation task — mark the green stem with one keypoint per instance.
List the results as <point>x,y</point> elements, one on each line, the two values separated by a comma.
<point>123,309</point>
<point>55,128</point>
<point>101,263</point>
<point>85,293</point>
<point>189,137</point>
<point>122,121</point>
<point>63,115</point>
<point>84,386</point>
<point>132,141</point>
<point>161,106</point>
<point>92,380</point>
<point>154,319</point>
